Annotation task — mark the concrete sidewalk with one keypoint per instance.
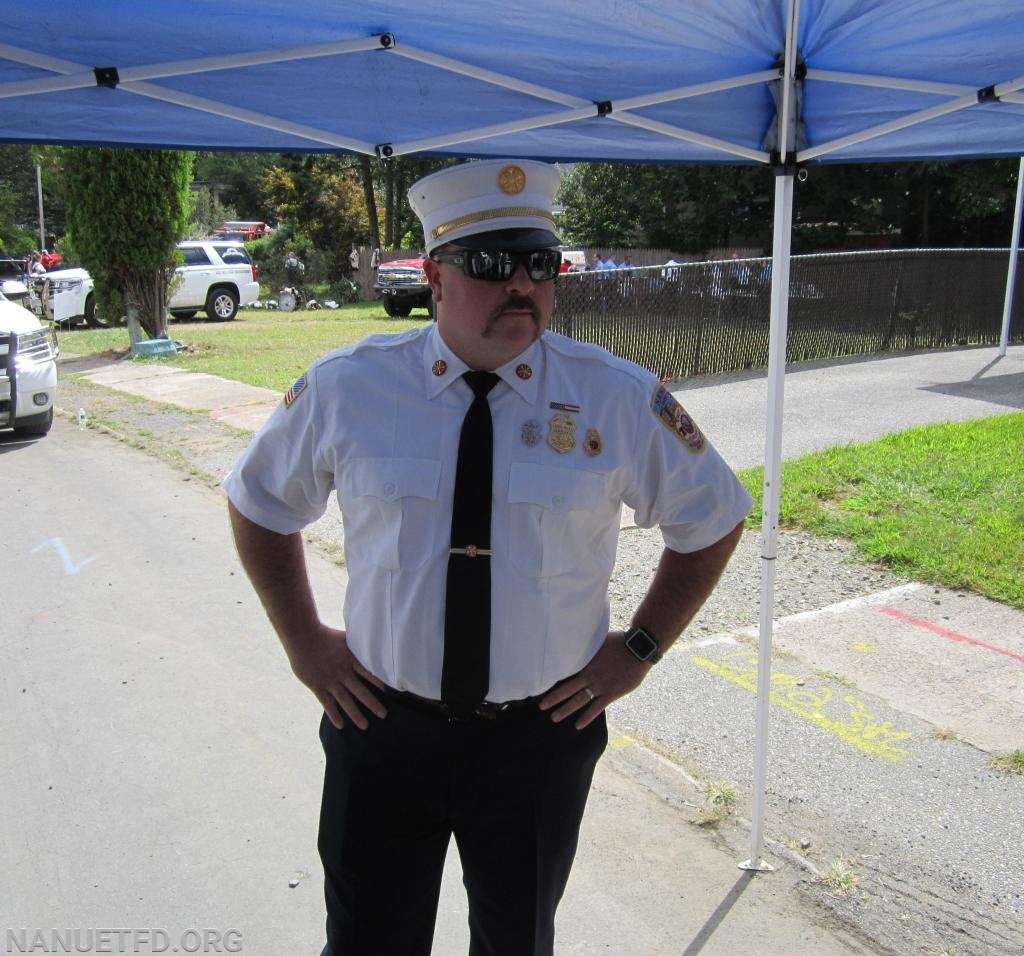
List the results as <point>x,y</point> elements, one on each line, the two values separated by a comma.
<point>242,406</point>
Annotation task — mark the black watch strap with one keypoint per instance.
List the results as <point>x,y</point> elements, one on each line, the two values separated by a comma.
<point>642,646</point>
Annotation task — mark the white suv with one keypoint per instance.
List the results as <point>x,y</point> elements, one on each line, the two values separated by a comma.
<point>217,277</point>
<point>28,368</point>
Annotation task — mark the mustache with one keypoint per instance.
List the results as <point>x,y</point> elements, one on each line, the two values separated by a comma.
<point>515,303</point>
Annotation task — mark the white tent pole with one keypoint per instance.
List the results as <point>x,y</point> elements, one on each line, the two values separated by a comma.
<point>675,132</point>
<point>39,198</point>
<point>166,95</point>
<point>781,246</point>
<point>567,99</point>
<point>1011,275</point>
<point>890,83</point>
<point>568,116</point>
<point>75,76</point>
<point>911,119</point>
<point>486,132</point>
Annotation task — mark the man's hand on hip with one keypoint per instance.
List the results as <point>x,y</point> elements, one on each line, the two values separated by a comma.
<point>330,670</point>
<point>612,673</point>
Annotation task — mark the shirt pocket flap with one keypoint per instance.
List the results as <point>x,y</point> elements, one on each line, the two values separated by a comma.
<point>390,479</point>
<point>555,489</point>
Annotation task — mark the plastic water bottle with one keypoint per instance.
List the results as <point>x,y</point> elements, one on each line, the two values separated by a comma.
<point>81,418</point>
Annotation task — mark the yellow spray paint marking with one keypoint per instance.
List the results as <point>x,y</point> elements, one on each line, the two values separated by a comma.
<point>620,742</point>
<point>862,730</point>
<point>864,648</point>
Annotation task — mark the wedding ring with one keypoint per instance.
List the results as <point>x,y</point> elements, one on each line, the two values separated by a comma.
<point>589,693</point>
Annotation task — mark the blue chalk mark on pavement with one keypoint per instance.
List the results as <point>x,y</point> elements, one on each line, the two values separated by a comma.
<point>70,568</point>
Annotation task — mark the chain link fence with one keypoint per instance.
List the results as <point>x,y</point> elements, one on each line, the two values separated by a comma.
<point>701,318</point>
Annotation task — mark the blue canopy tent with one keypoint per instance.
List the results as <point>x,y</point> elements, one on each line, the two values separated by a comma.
<point>778,83</point>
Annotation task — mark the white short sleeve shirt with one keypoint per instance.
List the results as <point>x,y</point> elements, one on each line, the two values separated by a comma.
<point>577,433</point>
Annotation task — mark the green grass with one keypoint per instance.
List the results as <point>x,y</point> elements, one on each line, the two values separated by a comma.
<point>942,504</point>
<point>259,347</point>
<point>1008,763</point>
<point>840,878</point>
<point>721,804</point>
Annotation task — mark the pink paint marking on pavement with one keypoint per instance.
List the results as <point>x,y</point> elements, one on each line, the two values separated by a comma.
<point>948,634</point>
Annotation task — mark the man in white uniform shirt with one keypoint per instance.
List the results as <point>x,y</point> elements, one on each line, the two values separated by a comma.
<point>474,706</point>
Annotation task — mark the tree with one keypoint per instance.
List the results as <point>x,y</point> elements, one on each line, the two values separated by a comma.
<point>235,181</point>
<point>320,196</point>
<point>126,209</point>
<point>685,208</point>
<point>696,208</point>
<point>19,210</point>
<point>394,177</point>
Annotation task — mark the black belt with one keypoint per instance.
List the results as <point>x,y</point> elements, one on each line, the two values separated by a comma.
<point>485,710</point>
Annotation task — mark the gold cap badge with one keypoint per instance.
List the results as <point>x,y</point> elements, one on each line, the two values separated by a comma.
<point>511,180</point>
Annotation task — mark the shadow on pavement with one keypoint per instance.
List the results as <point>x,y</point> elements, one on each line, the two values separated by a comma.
<point>1005,390</point>
<point>721,911</point>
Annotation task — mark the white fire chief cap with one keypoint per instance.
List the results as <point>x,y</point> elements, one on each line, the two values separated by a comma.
<point>488,205</point>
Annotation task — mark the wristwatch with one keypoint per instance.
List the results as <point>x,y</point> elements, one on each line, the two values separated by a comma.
<point>642,646</point>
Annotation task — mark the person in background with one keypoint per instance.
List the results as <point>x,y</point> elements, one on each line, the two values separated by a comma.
<point>294,270</point>
<point>480,464</point>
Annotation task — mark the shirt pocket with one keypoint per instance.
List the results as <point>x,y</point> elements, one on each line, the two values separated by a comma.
<point>556,517</point>
<point>390,510</point>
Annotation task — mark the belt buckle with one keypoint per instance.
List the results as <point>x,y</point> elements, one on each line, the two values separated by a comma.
<point>482,711</point>
<point>485,711</point>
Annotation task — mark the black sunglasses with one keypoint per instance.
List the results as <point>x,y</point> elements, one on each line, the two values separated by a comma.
<point>541,265</point>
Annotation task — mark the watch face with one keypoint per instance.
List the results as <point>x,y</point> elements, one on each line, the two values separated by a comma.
<point>641,644</point>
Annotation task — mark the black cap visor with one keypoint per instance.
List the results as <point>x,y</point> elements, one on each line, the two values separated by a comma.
<point>508,240</point>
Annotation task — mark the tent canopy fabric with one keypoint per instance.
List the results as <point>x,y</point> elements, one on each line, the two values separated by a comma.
<point>626,80</point>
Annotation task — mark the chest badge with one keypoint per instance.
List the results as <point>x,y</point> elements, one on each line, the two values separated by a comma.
<point>592,444</point>
<point>562,433</point>
<point>531,433</point>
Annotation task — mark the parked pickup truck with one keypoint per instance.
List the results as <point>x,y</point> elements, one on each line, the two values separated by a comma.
<point>402,285</point>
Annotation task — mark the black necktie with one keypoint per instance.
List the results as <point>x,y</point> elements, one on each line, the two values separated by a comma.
<point>467,619</point>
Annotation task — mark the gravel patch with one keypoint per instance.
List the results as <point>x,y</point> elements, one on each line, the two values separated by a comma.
<point>812,573</point>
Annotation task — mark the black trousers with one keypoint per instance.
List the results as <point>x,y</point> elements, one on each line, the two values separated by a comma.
<point>512,792</point>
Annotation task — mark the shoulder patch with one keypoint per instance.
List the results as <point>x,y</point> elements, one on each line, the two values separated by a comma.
<point>675,418</point>
<point>296,390</point>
